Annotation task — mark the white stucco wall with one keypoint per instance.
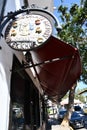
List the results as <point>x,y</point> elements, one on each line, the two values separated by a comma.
<point>6,60</point>
<point>6,55</point>
<point>5,74</point>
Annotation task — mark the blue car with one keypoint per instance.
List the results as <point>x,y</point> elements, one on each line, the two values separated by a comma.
<point>77,117</point>
<point>61,115</point>
<point>77,120</point>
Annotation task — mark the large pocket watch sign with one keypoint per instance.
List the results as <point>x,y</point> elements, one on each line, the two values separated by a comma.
<point>28,32</point>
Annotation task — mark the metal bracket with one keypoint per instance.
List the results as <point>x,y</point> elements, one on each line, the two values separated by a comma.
<point>26,65</point>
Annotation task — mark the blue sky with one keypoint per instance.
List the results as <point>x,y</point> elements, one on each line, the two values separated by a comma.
<point>68,3</point>
<point>82,85</point>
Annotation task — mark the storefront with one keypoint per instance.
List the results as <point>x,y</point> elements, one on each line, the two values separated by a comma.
<point>33,63</point>
<point>25,105</point>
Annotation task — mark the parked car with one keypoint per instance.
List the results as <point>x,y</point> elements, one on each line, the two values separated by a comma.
<point>61,115</point>
<point>77,117</point>
<point>77,120</point>
<point>78,109</point>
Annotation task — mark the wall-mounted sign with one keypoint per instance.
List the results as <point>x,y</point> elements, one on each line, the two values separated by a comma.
<point>28,32</point>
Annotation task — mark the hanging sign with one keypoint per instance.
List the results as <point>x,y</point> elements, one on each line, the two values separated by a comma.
<point>28,32</point>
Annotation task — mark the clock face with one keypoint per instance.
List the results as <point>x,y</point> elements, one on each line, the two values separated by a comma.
<point>28,32</point>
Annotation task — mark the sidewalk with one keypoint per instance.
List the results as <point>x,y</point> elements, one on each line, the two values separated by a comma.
<point>58,127</point>
<point>54,127</point>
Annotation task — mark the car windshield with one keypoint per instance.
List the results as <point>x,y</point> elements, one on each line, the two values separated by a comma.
<point>77,108</point>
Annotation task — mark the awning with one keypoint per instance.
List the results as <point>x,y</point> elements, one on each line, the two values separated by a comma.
<point>58,67</point>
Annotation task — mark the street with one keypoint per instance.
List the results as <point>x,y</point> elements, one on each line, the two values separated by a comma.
<point>55,127</point>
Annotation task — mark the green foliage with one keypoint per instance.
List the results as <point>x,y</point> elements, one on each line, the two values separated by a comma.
<point>74,30</point>
<point>78,96</point>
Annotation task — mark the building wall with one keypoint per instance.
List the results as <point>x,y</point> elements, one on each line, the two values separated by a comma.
<point>6,61</point>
